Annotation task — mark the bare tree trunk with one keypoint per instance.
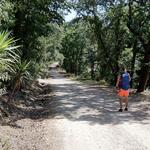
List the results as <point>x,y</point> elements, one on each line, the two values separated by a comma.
<point>133,62</point>
<point>92,70</point>
<point>144,73</point>
<point>144,76</point>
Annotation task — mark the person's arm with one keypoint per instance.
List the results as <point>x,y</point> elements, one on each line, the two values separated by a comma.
<point>117,83</point>
<point>129,77</point>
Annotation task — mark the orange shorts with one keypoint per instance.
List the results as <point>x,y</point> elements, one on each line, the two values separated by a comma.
<point>123,93</point>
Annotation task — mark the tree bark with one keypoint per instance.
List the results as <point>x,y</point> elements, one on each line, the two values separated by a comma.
<point>92,70</point>
<point>144,73</point>
<point>18,25</point>
<point>133,62</point>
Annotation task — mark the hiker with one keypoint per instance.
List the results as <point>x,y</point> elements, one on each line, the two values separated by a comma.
<point>122,87</point>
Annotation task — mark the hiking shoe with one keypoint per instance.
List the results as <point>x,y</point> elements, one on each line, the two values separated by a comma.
<point>120,110</point>
<point>126,109</point>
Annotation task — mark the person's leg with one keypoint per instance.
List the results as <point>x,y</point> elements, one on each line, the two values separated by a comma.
<point>120,94</point>
<point>126,103</point>
<point>120,102</point>
<point>126,99</point>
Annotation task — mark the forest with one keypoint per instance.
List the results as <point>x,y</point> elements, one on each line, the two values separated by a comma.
<point>104,35</point>
<point>74,106</point>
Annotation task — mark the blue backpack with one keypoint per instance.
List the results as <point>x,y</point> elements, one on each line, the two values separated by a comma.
<point>124,81</point>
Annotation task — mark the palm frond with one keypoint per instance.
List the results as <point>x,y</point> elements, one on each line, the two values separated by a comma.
<point>8,55</point>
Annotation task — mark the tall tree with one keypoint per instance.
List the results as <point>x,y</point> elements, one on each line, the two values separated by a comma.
<point>31,21</point>
<point>138,24</point>
<point>73,45</point>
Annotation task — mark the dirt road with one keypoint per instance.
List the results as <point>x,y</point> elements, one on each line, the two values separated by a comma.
<point>86,118</point>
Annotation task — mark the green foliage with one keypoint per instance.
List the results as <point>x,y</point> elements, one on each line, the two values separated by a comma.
<point>105,35</point>
<point>51,44</point>
<point>20,75</point>
<point>35,24</point>
<point>139,18</point>
<point>12,69</point>
<point>73,48</point>
<point>6,14</point>
<point>33,20</point>
<point>120,37</point>
<point>8,57</point>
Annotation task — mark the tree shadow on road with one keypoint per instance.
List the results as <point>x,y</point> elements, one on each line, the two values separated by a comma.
<point>79,102</point>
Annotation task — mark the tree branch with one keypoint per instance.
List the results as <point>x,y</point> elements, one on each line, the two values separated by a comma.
<point>130,26</point>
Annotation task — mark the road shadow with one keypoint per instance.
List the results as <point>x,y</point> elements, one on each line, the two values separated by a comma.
<point>78,102</point>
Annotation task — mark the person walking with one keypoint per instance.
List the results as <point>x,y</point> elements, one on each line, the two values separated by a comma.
<point>122,87</point>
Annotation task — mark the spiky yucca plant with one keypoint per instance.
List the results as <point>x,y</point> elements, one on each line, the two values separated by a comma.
<point>21,75</point>
<point>12,68</point>
<point>8,56</point>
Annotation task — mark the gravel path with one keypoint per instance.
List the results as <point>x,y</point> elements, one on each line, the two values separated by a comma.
<point>84,117</point>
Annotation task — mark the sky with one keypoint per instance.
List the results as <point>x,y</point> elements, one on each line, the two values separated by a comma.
<point>70,16</point>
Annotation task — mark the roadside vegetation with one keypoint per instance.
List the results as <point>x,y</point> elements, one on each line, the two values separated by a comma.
<point>102,37</point>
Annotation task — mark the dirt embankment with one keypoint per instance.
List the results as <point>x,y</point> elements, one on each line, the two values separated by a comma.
<point>21,125</point>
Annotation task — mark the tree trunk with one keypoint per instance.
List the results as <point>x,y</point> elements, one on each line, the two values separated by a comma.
<point>80,61</point>
<point>92,70</point>
<point>133,62</point>
<point>20,30</point>
<point>144,73</point>
<point>100,41</point>
<point>18,23</point>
